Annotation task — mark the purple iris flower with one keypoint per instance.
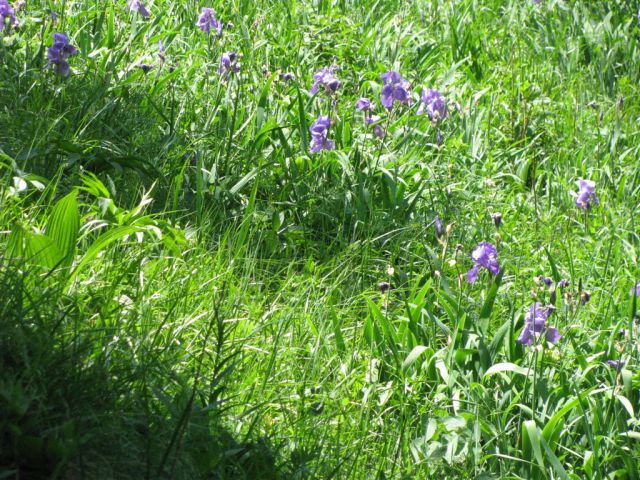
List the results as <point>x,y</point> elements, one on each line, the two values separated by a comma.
<point>228,63</point>
<point>395,88</point>
<point>287,77</point>
<point>325,77</point>
<point>6,13</point>
<point>535,323</point>
<point>364,105</point>
<point>139,6</point>
<point>319,130</point>
<point>145,68</point>
<point>433,104</point>
<point>438,224</point>
<point>484,255</point>
<point>378,131</point>
<point>59,53</point>
<point>636,290</point>
<point>208,21</point>
<point>615,364</point>
<point>586,196</point>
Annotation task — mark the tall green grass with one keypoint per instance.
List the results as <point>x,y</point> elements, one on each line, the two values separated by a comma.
<point>188,293</point>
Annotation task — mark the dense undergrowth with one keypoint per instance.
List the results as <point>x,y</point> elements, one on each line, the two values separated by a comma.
<point>209,272</point>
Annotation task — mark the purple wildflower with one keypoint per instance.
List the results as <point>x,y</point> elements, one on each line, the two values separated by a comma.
<point>439,229</point>
<point>59,53</point>
<point>484,255</point>
<point>535,323</point>
<point>585,297</point>
<point>325,77</point>
<point>364,105</point>
<point>433,104</point>
<point>6,13</point>
<point>208,21</point>
<point>145,68</point>
<point>378,131</point>
<point>287,77</point>
<point>395,89</point>
<point>384,287</point>
<point>228,63</point>
<point>563,283</point>
<point>497,219</point>
<point>319,130</point>
<point>139,6</point>
<point>636,290</point>
<point>615,364</point>
<point>586,196</point>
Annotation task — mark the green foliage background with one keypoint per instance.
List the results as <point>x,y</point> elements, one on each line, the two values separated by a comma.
<point>188,293</point>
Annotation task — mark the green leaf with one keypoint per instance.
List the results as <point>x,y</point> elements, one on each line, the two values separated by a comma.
<point>507,367</point>
<point>63,227</point>
<point>413,355</point>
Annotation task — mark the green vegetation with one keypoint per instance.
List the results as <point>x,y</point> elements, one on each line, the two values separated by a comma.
<point>189,292</point>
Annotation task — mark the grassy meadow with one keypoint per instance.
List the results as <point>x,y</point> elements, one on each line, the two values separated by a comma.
<point>218,261</point>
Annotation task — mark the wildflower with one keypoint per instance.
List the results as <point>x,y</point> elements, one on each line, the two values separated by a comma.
<point>497,219</point>
<point>535,323</point>
<point>384,287</point>
<point>319,140</point>
<point>6,13</point>
<point>228,63</point>
<point>636,290</point>
<point>484,255</point>
<point>161,50</point>
<point>287,77</point>
<point>395,88</point>
<point>563,283</point>
<point>586,196</point>
<point>378,131</point>
<point>325,77</point>
<point>364,105</point>
<point>145,68</point>
<point>434,104</point>
<point>208,21</point>
<point>59,53</point>
<point>138,5</point>
<point>585,297</point>
<point>438,224</point>
<point>615,364</point>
